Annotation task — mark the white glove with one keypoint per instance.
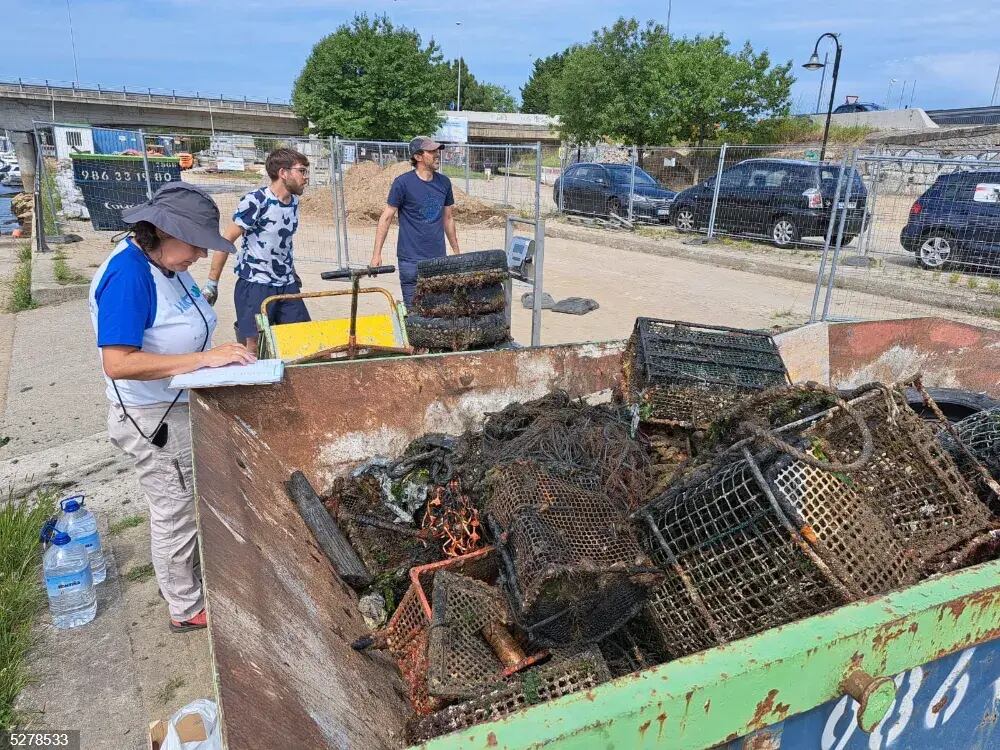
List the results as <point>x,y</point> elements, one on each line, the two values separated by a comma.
<point>210,292</point>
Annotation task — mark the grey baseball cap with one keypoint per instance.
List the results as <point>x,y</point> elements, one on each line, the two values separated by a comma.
<point>185,212</point>
<point>423,143</point>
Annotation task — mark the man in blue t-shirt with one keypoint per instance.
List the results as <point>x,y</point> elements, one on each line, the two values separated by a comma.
<point>425,203</point>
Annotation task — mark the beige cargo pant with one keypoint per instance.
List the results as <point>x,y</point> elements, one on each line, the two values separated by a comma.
<point>165,476</point>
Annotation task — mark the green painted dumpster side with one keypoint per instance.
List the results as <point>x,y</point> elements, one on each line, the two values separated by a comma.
<point>719,695</point>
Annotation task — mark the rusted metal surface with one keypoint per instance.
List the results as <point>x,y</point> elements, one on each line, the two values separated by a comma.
<point>949,354</point>
<point>281,622</point>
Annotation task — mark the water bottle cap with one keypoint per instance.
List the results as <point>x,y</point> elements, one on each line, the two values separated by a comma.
<point>71,504</point>
<point>60,538</point>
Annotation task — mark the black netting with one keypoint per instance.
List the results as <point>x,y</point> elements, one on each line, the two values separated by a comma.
<point>570,564</point>
<point>572,439</point>
<point>980,435</point>
<point>635,647</point>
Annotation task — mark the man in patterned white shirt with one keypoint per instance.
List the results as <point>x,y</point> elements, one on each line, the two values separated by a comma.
<point>266,219</point>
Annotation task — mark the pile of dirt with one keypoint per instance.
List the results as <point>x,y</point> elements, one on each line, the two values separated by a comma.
<point>366,186</point>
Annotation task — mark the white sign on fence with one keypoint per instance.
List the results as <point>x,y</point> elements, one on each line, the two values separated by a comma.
<point>229,164</point>
<point>349,155</point>
<point>453,130</point>
<point>669,161</point>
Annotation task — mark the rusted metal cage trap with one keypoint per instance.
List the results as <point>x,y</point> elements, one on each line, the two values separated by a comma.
<point>470,645</point>
<point>571,566</point>
<point>682,374</point>
<point>791,522</point>
<point>559,677</point>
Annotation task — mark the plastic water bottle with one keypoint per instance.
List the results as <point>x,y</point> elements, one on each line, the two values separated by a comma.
<point>68,582</point>
<point>81,525</point>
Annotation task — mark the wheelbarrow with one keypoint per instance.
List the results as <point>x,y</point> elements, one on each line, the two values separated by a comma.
<point>343,338</point>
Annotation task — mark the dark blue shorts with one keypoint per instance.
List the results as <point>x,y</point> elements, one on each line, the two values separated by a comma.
<point>248,297</point>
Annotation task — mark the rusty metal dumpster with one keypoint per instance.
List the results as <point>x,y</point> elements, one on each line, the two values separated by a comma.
<point>924,662</point>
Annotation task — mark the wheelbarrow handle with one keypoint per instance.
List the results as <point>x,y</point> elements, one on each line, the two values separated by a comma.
<point>350,273</point>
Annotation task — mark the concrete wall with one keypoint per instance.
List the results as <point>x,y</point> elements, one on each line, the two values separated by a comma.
<point>19,112</point>
<point>892,119</point>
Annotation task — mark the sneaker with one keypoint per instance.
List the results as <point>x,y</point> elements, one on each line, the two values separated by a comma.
<point>197,622</point>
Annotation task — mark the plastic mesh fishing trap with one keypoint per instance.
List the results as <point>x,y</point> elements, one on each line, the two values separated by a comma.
<point>559,677</point>
<point>570,563</point>
<point>980,436</point>
<point>685,375</point>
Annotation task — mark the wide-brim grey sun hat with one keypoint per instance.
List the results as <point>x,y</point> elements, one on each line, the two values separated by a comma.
<point>185,212</point>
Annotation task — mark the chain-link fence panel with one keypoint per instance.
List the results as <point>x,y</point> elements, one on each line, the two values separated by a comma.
<point>92,174</point>
<point>489,181</point>
<point>931,236</point>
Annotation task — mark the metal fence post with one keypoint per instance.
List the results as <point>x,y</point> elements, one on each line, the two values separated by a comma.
<point>563,159</point>
<point>631,187</point>
<point>874,202</point>
<point>506,176</point>
<point>145,164</point>
<point>40,242</point>
<point>336,203</point>
<point>826,243</point>
<point>539,287</point>
<point>508,286</point>
<point>538,180</point>
<point>715,192</point>
<point>343,200</point>
<point>840,236</point>
<point>467,155</point>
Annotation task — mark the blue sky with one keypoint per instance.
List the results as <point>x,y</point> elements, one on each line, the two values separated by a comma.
<point>256,48</point>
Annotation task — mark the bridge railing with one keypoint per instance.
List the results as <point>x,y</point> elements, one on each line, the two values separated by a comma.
<point>63,91</point>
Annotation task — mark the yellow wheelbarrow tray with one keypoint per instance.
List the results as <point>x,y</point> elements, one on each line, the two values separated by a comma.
<point>347,338</point>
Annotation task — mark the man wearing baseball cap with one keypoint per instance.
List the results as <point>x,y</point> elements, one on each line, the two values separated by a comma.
<point>424,200</point>
<point>152,322</point>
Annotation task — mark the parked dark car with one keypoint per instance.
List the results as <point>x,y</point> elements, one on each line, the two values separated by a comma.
<point>783,199</point>
<point>846,109</point>
<point>957,219</point>
<point>603,189</point>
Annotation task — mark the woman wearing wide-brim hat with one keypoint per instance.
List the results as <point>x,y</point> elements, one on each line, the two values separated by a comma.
<point>152,323</point>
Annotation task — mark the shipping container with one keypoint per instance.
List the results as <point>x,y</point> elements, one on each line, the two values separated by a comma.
<point>115,141</point>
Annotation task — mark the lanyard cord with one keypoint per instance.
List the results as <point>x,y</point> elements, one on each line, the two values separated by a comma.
<point>204,343</point>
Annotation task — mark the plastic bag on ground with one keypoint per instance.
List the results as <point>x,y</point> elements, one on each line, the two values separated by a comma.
<point>182,730</point>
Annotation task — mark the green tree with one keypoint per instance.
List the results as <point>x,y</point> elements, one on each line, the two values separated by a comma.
<point>709,91</point>
<point>476,96</point>
<point>604,88</point>
<point>536,94</point>
<point>370,79</point>
<point>638,85</point>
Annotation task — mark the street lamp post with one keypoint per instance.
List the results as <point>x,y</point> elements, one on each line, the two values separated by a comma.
<point>458,102</point>
<point>815,64</point>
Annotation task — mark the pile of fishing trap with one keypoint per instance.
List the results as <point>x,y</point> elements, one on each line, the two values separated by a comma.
<point>787,501</point>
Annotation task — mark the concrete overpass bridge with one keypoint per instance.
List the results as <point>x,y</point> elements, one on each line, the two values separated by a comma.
<point>21,104</point>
